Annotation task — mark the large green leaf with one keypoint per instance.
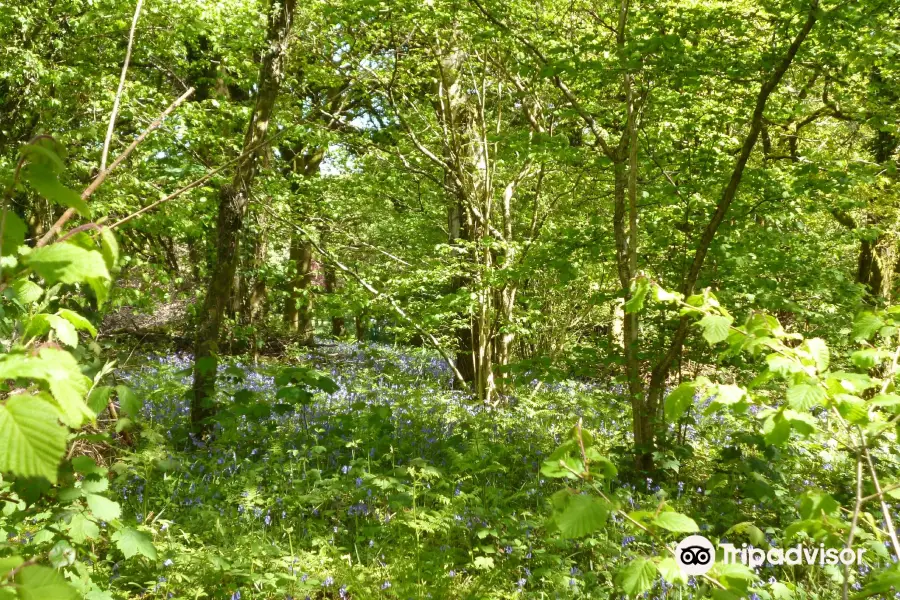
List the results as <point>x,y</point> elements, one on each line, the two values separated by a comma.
<point>32,442</point>
<point>44,181</point>
<point>129,403</point>
<point>77,320</point>
<point>103,508</point>
<point>132,542</point>
<point>59,371</point>
<point>638,294</point>
<point>43,583</point>
<point>671,571</point>
<point>866,325</point>
<point>676,522</point>
<point>13,232</point>
<point>82,528</point>
<point>805,396</point>
<point>715,328</point>
<point>67,263</point>
<point>637,577</point>
<point>679,400</point>
<point>583,515</point>
<point>818,351</point>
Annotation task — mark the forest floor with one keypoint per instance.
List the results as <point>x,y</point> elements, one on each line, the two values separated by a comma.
<point>387,483</point>
<point>391,485</point>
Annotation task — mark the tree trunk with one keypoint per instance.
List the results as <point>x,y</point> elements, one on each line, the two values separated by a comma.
<point>254,307</point>
<point>331,287</point>
<point>233,199</point>
<point>298,312</point>
<point>660,373</point>
<point>362,326</point>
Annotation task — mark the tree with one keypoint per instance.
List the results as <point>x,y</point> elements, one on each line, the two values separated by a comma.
<point>233,200</point>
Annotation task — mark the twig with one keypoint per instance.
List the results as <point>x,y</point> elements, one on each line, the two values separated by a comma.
<point>115,109</point>
<point>90,189</point>
<point>378,294</point>
<point>856,509</point>
<point>885,509</point>
<point>196,182</point>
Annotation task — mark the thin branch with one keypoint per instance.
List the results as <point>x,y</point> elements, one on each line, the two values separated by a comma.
<point>378,294</point>
<point>101,177</point>
<point>196,182</point>
<point>115,110</point>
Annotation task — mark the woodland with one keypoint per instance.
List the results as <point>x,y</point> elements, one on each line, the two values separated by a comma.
<point>488,299</point>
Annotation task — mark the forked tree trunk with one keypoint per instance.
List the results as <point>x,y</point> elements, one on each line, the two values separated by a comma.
<point>233,199</point>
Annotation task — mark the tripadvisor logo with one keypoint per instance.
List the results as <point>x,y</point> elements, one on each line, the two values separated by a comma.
<point>696,555</point>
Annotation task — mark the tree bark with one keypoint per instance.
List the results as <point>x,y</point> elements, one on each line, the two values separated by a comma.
<point>331,287</point>
<point>298,313</point>
<point>233,199</point>
<point>659,374</point>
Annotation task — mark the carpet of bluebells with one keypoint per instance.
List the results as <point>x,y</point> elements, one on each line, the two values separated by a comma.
<point>395,485</point>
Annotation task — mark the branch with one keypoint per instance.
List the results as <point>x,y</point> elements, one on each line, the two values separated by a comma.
<point>101,177</point>
<point>687,287</point>
<point>115,109</point>
<point>557,81</point>
<point>196,182</point>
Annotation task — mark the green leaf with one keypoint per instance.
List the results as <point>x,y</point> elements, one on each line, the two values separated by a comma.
<point>868,357</point>
<point>109,247</point>
<point>726,395</point>
<point>64,330</point>
<point>44,181</point>
<point>99,398</point>
<point>783,365</point>
<point>889,401</point>
<point>59,371</point>
<point>676,522</point>
<point>756,535</point>
<point>853,408</point>
<point>8,563</point>
<point>131,542</point>
<point>14,230</point>
<point>637,577</point>
<point>32,442</point>
<point>103,508</point>
<point>82,528</point>
<point>583,515</point>
<point>818,351</point>
<point>671,571</point>
<point>853,383</point>
<point>128,401</point>
<point>776,429</point>
<point>27,292</point>
<point>639,289</point>
<point>804,396</point>
<point>77,320</point>
<point>715,328</point>
<point>781,592</point>
<point>814,503</point>
<point>67,263</point>
<point>865,326</point>
<point>484,563</point>
<point>735,576</point>
<point>43,583</point>
<point>679,400</point>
